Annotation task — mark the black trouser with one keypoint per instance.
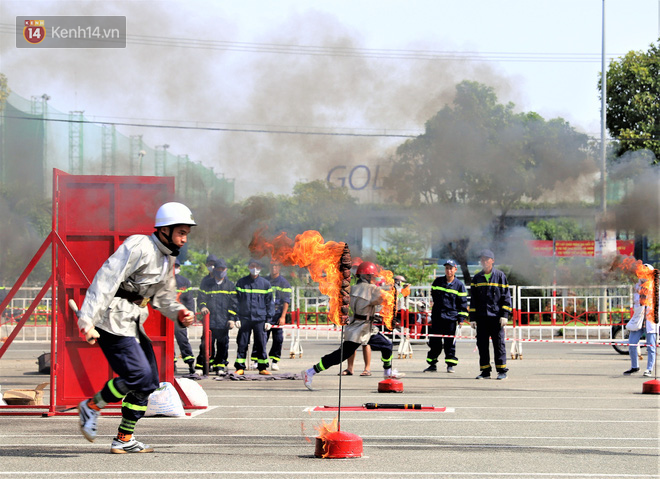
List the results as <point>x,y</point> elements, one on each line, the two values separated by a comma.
<point>135,364</point>
<point>487,328</point>
<point>377,342</point>
<point>243,341</point>
<point>181,336</point>
<point>444,327</point>
<point>219,348</point>
<point>275,353</point>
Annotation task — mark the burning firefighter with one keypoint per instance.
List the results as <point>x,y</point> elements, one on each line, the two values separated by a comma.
<point>115,306</point>
<point>365,297</point>
<point>643,321</point>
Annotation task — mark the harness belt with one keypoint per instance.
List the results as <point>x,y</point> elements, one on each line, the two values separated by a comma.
<point>133,297</point>
<point>361,317</point>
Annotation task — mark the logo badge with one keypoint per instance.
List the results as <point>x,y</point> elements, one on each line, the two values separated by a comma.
<point>34,31</point>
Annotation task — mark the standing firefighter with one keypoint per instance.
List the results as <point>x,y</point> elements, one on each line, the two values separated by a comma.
<point>185,296</point>
<point>255,308</point>
<point>449,308</point>
<point>281,300</point>
<point>115,307</point>
<point>490,305</point>
<point>360,330</point>
<point>217,298</point>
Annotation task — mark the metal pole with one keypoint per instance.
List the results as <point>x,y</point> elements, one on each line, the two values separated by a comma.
<point>603,149</point>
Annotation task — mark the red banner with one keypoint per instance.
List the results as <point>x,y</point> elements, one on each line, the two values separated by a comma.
<point>575,248</point>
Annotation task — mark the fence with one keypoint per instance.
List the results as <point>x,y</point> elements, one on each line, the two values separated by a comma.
<point>539,312</point>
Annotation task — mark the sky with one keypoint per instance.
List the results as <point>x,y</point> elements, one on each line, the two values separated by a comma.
<point>348,68</point>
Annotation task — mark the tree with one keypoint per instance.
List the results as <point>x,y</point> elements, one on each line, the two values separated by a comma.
<point>404,255</point>
<point>561,229</point>
<point>480,154</point>
<point>633,110</point>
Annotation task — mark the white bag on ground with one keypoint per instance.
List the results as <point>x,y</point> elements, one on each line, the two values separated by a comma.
<point>194,391</point>
<point>165,401</point>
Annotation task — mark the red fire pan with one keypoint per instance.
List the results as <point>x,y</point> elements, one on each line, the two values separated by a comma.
<point>338,445</point>
<point>390,386</point>
<point>651,387</point>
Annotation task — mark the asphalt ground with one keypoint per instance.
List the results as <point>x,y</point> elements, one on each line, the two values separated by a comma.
<point>565,411</point>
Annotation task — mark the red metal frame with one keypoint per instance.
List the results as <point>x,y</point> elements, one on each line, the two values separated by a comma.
<point>92,215</point>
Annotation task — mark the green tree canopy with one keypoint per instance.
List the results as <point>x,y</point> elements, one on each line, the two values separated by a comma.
<point>561,229</point>
<point>633,109</point>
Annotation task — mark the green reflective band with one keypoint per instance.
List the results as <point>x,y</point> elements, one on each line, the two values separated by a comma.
<point>220,292</point>
<point>275,359</point>
<point>451,361</point>
<point>231,312</point>
<point>113,390</point>
<point>320,366</point>
<point>463,314</point>
<point>255,291</point>
<point>507,308</point>
<point>448,290</point>
<point>284,290</point>
<point>240,360</point>
<point>263,361</point>
<point>134,407</point>
<point>184,290</point>
<point>188,357</point>
<point>386,360</point>
<point>495,285</point>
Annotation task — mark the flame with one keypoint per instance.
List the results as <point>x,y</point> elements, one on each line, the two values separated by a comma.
<point>388,297</point>
<point>646,290</point>
<point>405,292</point>
<point>307,251</point>
<point>327,428</point>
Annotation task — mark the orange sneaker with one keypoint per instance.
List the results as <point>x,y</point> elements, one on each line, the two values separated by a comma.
<point>264,372</point>
<point>240,372</point>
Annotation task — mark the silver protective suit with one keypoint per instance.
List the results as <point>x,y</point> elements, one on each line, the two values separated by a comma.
<point>143,265</point>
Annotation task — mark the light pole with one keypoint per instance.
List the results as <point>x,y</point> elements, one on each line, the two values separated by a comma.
<point>603,116</point>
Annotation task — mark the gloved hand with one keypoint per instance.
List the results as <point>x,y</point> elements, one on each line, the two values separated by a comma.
<point>238,324</point>
<point>91,335</point>
<point>205,311</point>
<point>267,326</point>
<point>503,322</point>
<point>186,317</point>
<point>473,325</point>
<point>231,324</point>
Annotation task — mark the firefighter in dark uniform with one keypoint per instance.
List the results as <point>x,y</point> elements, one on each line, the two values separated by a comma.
<point>217,298</point>
<point>281,301</point>
<point>141,271</point>
<point>366,299</point>
<point>490,306</point>
<point>449,297</point>
<point>255,308</point>
<point>185,295</point>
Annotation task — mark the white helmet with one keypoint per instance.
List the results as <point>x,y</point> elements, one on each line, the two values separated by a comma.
<point>649,266</point>
<point>174,213</point>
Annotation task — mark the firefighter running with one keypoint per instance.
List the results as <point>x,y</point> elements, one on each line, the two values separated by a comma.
<point>114,310</point>
<point>360,330</point>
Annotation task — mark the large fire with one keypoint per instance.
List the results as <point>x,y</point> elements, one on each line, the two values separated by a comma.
<point>309,250</point>
<point>647,290</point>
<point>389,298</point>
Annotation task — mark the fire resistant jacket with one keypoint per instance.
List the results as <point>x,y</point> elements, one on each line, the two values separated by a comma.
<point>490,298</point>
<point>142,265</point>
<point>255,299</point>
<point>184,292</point>
<point>364,302</point>
<point>220,299</point>
<point>281,294</point>
<point>449,300</point>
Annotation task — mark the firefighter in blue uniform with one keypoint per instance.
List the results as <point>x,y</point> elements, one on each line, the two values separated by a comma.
<point>490,306</point>
<point>185,295</point>
<point>217,298</point>
<point>449,297</point>
<point>281,301</point>
<point>255,308</point>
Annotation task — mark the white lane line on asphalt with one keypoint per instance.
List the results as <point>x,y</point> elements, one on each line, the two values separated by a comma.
<point>353,472</point>
<point>179,445</point>
<point>288,436</point>
<point>202,411</point>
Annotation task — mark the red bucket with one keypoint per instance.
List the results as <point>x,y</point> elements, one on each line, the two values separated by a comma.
<point>338,445</point>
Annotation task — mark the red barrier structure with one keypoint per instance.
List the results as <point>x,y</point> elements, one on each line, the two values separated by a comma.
<point>92,216</point>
